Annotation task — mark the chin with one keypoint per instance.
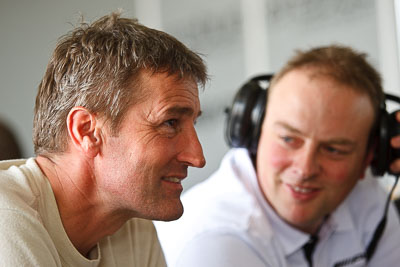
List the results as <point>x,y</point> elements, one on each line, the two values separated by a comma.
<point>173,215</point>
<point>169,213</point>
<point>171,218</point>
<point>166,218</point>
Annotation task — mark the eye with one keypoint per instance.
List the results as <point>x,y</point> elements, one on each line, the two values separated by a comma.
<point>287,139</point>
<point>331,150</point>
<point>172,123</point>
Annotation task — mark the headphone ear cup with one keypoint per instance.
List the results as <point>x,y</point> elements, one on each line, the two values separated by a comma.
<point>394,126</point>
<point>239,125</point>
<point>381,161</point>
<point>257,118</point>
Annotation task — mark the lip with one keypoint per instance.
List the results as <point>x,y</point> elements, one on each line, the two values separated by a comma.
<point>173,179</point>
<point>173,182</point>
<point>302,193</point>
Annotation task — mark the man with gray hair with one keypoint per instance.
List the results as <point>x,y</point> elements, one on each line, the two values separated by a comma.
<point>114,135</point>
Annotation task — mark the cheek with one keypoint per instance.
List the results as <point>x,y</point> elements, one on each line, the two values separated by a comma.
<point>271,162</point>
<point>340,174</point>
<point>277,157</point>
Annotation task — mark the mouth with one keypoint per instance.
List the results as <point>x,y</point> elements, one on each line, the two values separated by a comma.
<point>303,193</point>
<point>175,180</point>
<point>301,190</point>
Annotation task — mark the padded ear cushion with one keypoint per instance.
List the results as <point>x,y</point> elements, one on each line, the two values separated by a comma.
<point>380,162</point>
<point>394,127</point>
<point>239,122</point>
<point>243,125</point>
<point>388,127</point>
<point>257,117</point>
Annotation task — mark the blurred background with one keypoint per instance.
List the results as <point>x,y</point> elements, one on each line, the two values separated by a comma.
<point>237,38</point>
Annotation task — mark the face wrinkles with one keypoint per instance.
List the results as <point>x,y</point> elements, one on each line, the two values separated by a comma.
<point>181,92</point>
<point>181,106</point>
<point>156,143</point>
<point>183,101</point>
<point>172,105</point>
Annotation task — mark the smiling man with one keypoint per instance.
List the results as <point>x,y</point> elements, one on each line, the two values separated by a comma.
<point>114,136</point>
<point>303,197</point>
<point>308,162</point>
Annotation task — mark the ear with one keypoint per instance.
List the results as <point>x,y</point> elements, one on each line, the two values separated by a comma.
<point>367,161</point>
<point>82,130</point>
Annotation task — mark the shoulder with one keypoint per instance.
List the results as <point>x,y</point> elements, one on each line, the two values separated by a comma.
<point>219,249</point>
<point>206,217</point>
<point>363,209</point>
<point>21,223</point>
<point>366,202</point>
<point>24,240</point>
<point>24,191</point>
<point>20,184</point>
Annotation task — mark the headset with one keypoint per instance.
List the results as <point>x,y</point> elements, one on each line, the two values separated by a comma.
<point>245,117</point>
<point>243,128</point>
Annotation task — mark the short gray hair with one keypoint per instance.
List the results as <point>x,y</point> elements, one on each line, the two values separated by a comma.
<point>92,67</point>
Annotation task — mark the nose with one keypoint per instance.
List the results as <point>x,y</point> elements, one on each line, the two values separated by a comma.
<point>305,163</point>
<point>192,152</point>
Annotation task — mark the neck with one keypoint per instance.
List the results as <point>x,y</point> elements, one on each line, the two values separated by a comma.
<point>85,216</point>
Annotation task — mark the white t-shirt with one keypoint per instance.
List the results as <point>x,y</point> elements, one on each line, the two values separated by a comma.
<point>227,222</point>
<point>32,234</point>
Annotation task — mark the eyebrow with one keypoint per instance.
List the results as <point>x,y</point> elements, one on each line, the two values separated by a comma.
<point>182,111</point>
<point>334,141</point>
<point>286,126</point>
<point>341,142</point>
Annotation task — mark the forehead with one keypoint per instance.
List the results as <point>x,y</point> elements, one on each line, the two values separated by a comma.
<point>162,90</point>
<point>328,75</point>
<point>314,81</point>
<point>149,77</point>
<point>308,101</point>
